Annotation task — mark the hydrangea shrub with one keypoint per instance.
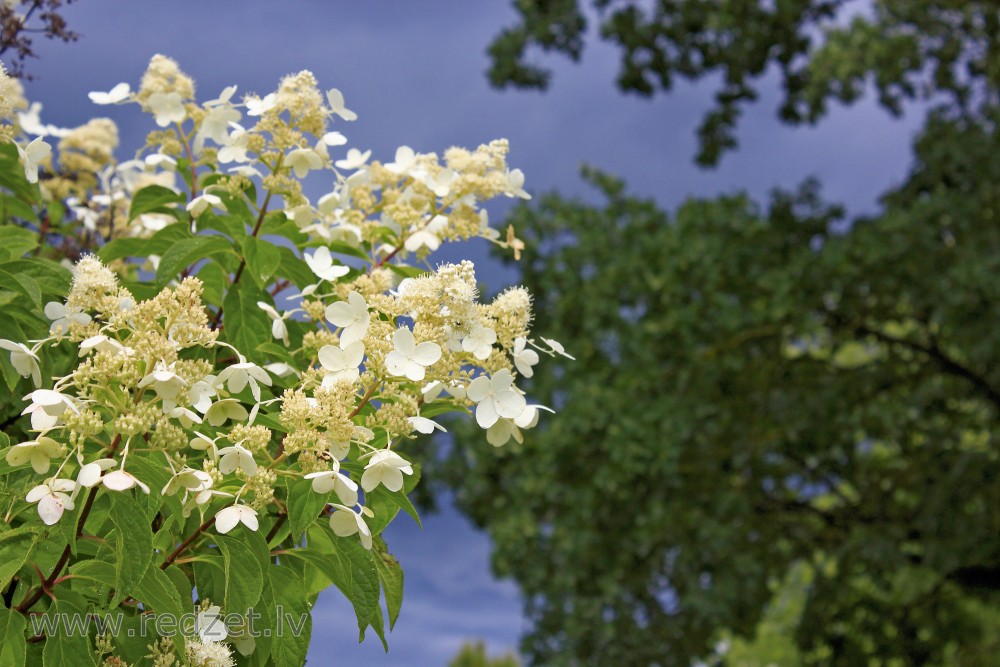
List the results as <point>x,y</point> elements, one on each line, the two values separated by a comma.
<point>210,381</point>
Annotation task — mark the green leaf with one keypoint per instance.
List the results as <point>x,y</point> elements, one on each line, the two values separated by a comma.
<point>295,269</point>
<point>290,647</point>
<point>351,568</point>
<point>406,271</point>
<point>24,284</point>
<point>262,259</point>
<point>12,174</point>
<point>157,591</point>
<point>52,278</point>
<point>243,575</point>
<point>96,570</point>
<point>12,640</point>
<point>15,240</point>
<point>14,207</point>
<point>66,647</point>
<point>304,506</point>
<point>246,326</point>
<point>133,544</point>
<point>16,546</point>
<point>122,248</point>
<point>391,576</point>
<point>186,252</point>
<point>154,199</point>
<point>214,279</point>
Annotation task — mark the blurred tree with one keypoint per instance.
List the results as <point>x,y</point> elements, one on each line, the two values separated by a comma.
<point>473,654</point>
<point>824,50</point>
<point>758,391</point>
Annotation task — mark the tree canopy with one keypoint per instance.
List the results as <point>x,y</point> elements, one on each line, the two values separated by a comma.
<point>940,51</point>
<point>757,390</point>
<point>777,442</point>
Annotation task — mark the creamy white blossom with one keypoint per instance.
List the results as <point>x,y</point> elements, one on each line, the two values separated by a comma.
<point>409,359</point>
<point>116,95</point>
<point>342,363</point>
<point>496,398</point>
<point>32,155</point>
<point>346,522</point>
<point>321,263</point>
<point>352,315</point>
<point>229,517</point>
<point>24,361</point>
<point>385,467</point>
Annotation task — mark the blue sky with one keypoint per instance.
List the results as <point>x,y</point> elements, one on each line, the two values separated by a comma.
<point>413,71</point>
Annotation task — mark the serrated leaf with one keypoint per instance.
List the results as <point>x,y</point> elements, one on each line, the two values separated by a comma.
<point>391,576</point>
<point>15,240</point>
<point>156,591</point>
<point>291,646</point>
<point>186,252</point>
<point>154,199</point>
<point>262,259</point>
<point>96,570</point>
<point>15,549</point>
<point>351,568</point>
<point>245,325</point>
<point>14,207</point>
<point>304,506</point>
<point>133,542</point>
<point>243,574</point>
<point>122,248</point>
<point>12,639</point>
<point>66,648</point>
<point>295,269</point>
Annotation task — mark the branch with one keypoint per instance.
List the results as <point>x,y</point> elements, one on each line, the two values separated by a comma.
<point>948,364</point>
<point>182,547</point>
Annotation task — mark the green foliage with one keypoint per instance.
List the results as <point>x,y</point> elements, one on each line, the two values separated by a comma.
<point>473,654</point>
<point>755,389</point>
<point>824,50</point>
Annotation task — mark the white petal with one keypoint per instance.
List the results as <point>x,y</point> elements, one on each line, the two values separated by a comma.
<point>227,519</point>
<point>50,508</point>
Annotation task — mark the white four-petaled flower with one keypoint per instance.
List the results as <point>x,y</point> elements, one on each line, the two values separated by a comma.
<point>257,106</point>
<point>63,316</point>
<point>425,425</point>
<point>24,361</point>
<point>117,94</point>
<point>352,315</point>
<point>53,499</point>
<point>47,407</point>
<point>386,467</point>
<point>342,363</point>
<point>355,159</point>
<point>241,374</point>
<point>303,160</point>
<point>408,358</point>
<point>321,263</point>
<point>229,517</point>
<point>235,457</point>
<point>524,357</point>
<point>202,202</point>
<point>37,452</point>
<point>334,480</point>
<point>32,155</point>
<point>346,522</point>
<point>480,342</point>
<point>119,480</point>
<point>336,100</point>
<point>167,108</point>
<point>496,398</point>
